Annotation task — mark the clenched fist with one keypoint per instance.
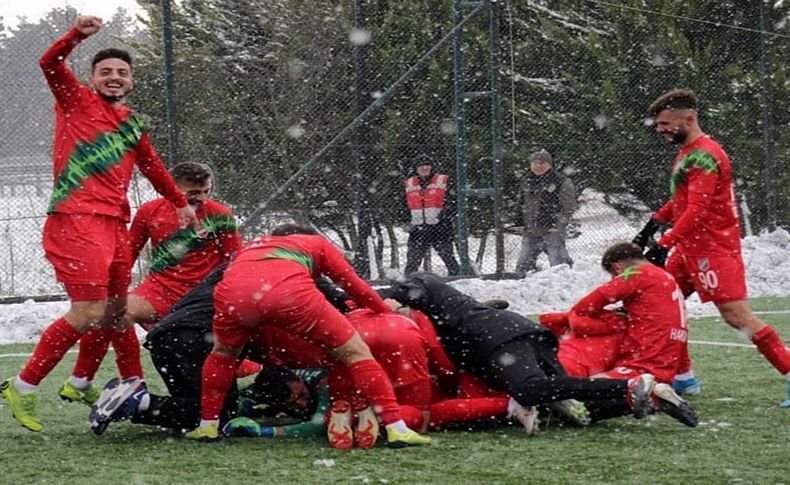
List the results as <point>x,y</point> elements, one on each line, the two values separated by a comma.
<point>87,24</point>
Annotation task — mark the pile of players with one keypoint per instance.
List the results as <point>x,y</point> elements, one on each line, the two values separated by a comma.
<point>488,363</point>
<point>421,356</point>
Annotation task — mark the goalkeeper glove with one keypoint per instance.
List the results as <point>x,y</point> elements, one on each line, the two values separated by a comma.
<point>241,427</point>
<point>657,255</point>
<point>646,233</point>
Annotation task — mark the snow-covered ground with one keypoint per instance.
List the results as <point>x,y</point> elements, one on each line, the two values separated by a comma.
<point>767,259</point>
<point>557,288</point>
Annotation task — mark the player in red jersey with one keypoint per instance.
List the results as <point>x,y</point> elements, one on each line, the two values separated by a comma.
<point>399,344</point>
<point>181,258</point>
<point>655,332</point>
<point>271,281</point>
<point>98,141</point>
<point>647,334</point>
<point>395,342</point>
<point>705,231</point>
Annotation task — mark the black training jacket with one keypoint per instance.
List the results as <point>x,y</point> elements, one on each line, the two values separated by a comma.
<point>469,331</point>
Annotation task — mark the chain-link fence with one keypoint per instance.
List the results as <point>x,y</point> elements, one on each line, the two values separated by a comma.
<point>310,111</point>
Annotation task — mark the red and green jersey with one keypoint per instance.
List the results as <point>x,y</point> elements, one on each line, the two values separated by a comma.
<point>184,256</point>
<point>96,145</point>
<point>319,257</point>
<point>702,209</point>
<point>656,331</point>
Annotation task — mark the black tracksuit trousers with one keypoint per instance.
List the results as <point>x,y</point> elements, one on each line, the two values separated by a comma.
<point>529,370</point>
<point>178,355</point>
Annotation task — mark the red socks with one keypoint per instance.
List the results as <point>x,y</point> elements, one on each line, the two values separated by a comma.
<point>341,385</point>
<point>373,383</point>
<point>412,416</point>
<point>684,362</point>
<point>60,336</point>
<point>56,340</point>
<point>773,349</point>
<point>93,348</point>
<point>459,410</point>
<point>127,353</point>
<point>219,371</point>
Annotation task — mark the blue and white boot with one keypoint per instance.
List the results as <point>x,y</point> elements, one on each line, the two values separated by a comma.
<point>118,401</point>
<point>690,386</point>
<point>786,403</point>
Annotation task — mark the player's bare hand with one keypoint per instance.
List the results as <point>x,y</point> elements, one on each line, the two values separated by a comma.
<point>186,216</point>
<point>88,24</point>
<point>393,304</point>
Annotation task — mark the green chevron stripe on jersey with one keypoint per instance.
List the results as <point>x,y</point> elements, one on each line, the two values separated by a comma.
<point>301,258</point>
<point>696,159</point>
<point>629,272</point>
<point>93,158</point>
<point>171,251</point>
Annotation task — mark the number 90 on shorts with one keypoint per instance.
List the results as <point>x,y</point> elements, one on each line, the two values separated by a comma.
<point>718,278</point>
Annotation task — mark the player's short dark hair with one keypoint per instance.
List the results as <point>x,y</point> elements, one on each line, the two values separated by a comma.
<point>192,172</point>
<point>620,252</point>
<point>288,229</point>
<point>272,385</point>
<point>675,99</point>
<point>111,53</point>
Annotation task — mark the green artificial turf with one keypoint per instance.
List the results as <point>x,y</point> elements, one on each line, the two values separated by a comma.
<point>742,438</point>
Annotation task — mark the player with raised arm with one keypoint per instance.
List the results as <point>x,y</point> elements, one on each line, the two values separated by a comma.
<point>98,142</point>
<point>655,324</point>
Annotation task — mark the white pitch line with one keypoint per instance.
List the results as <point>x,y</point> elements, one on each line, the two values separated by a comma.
<point>2,356</point>
<point>772,312</point>
<point>722,344</point>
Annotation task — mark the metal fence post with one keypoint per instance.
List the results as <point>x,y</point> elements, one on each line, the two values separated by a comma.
<point>170,90</point>
<point>362,142</point>
<point>768,128</point>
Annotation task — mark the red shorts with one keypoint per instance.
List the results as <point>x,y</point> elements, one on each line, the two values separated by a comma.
<point>275,292</point>
<point>161,297</point>
<point>273,346</point>
<point>587,356</point>
<point>90,254</point>
<point>471,387</point>
<point>395,342</point>
<point>715,277</point>
<point>622,372</point>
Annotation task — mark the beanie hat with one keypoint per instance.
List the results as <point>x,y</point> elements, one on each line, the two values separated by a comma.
<point>543,155</point>
<point>422,159</point>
